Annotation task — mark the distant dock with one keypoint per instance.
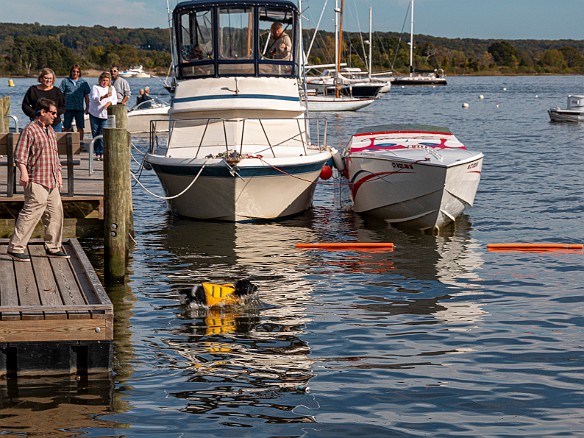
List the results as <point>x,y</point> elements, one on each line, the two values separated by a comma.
<point>55,316</point>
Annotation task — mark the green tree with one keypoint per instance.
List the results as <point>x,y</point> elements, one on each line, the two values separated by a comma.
<point>504,54</point>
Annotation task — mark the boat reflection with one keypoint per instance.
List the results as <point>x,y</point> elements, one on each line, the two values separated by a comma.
<point>445,270</point>
<point>243,355</point>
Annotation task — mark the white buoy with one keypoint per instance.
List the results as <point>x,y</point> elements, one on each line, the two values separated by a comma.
<point>504,88</point>
<point>481,96</point>
<point>465,105</point>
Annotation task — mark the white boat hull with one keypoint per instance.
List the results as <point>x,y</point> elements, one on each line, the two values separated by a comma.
<point>331,103</point>
<point>255,189</point>
<point>139,120</point>
<point>415,186</point>
<point>566,115</point>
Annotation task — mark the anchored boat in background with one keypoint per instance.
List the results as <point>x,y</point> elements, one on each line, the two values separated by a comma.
<point>239,145</point>
<point>416,176</point>
<point>573,113</point>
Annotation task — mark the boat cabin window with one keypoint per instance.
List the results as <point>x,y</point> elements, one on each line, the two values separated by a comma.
<point>195,39</point>
<point>246,40</point>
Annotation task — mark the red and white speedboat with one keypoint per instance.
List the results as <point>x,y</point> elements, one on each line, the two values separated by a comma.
<point>416,176</point>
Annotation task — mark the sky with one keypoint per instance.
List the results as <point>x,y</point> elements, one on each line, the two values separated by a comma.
<point>484,19</point>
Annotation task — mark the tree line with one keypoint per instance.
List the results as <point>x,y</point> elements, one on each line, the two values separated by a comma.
<point>27,48</point>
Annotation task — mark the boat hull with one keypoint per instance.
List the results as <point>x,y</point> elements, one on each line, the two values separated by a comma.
<point>418,80</point>
<point>565,115</point>
<point>253,189</point>
<point>416,187</point>
<point>139,121</point>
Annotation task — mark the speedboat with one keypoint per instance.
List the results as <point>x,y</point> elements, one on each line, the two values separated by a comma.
<point>140,116</point>
<point>415,176</point>
<point>240,146</point>
<point>573,113</point>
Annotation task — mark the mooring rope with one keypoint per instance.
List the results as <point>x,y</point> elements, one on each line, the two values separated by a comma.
<point>167,198</point>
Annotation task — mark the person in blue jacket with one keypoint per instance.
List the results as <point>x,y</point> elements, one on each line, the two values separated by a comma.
<point>76,91</point>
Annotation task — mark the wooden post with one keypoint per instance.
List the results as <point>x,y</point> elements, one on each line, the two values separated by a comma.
<point>117,184</point>
<point>4,113</point>
<point>121,113</point>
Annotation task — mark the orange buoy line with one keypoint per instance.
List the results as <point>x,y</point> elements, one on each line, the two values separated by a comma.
<point>535,246</point>
<point>345,245</point>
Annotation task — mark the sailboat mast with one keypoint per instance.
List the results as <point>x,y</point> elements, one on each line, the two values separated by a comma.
<point>412,39</point>
<point>370,38</point>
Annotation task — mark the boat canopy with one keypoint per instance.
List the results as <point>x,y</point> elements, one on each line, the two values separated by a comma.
<point>234,38</point>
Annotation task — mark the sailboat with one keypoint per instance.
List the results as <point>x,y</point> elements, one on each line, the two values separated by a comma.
<point>337,96</point>
<point>419,77</point>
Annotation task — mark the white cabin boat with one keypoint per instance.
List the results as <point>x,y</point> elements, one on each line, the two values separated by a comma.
<point>239,144</point>
<point>414,176</point>
<point>573,113</point>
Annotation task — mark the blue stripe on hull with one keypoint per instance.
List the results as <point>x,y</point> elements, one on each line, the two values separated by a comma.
<point>236,96</point>
<point>244,172</point>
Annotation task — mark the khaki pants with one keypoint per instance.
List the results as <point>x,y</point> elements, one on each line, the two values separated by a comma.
<point>39,203</point>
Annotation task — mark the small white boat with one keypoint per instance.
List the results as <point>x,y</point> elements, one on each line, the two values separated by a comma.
<point>415,176</point>
<point>134,72</point>
<point>316,102</point>
<point>140,116</point>
<point>573,113</point>
<point>239,147</point>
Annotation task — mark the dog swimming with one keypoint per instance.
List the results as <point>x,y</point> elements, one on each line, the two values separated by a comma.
<point>213,294</point>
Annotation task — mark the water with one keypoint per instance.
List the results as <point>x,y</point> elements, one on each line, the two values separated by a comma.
<point>438,338</point>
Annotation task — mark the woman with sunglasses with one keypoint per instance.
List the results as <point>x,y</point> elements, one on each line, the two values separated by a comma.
<point>45,90</point>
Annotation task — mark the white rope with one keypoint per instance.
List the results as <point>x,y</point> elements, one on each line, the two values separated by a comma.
<point>170,197</point>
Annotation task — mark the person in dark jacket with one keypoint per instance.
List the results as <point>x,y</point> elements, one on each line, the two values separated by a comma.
<point>45,90</point>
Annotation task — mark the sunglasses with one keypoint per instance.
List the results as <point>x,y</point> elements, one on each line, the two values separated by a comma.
<point>53,112</point>
<point>114,71</point>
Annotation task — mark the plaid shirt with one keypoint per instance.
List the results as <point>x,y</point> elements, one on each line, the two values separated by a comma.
<point>37,150</point>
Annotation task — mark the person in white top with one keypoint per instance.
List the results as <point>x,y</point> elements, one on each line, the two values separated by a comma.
<point>102,96</point>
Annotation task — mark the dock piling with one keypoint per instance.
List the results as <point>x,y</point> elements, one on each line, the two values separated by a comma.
<point>118,193</point>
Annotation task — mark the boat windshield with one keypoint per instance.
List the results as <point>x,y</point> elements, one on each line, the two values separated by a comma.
<point>245,40</point>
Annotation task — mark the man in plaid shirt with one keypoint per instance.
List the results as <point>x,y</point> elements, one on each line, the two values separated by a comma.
<point>37,158</point>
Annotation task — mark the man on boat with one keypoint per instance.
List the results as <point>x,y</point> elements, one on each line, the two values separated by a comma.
<point>37,158</point>
<point>281,47</point>
<point>121,86</point>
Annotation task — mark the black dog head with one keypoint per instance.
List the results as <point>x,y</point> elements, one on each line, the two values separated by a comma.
<point>244,287</point>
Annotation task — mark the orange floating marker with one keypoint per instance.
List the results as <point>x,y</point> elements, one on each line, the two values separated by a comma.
<point>536,247</point>
<point>356,246</point>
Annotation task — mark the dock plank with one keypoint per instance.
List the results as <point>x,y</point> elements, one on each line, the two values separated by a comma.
<point>8,290</point>
<point>47,286</point>
<point>28,292</point>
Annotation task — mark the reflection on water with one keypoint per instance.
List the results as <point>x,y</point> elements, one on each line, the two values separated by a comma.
<point>246,355</point>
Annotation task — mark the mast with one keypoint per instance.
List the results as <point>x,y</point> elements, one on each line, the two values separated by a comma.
<point>412,40</point>
<point>370,39</point>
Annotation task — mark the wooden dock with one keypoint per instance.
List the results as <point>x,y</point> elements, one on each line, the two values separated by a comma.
<point>82,193</point>
<point>55,316</point>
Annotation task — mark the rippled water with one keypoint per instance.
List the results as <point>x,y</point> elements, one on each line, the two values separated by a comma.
<point>437,338</point>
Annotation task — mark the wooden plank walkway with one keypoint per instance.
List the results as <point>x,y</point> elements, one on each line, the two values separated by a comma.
<point>49,304</point>
<point>82,195</point>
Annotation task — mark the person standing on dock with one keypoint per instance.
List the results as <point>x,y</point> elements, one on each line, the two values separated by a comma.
<point>102,96</point>
<point>45,89</point>
<point>76,91</point>
<point>37,159</point>
<point>121,85</point>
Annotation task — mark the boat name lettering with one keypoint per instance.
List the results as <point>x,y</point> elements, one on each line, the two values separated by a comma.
<point>402,166</point>
<point>473,165</point>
